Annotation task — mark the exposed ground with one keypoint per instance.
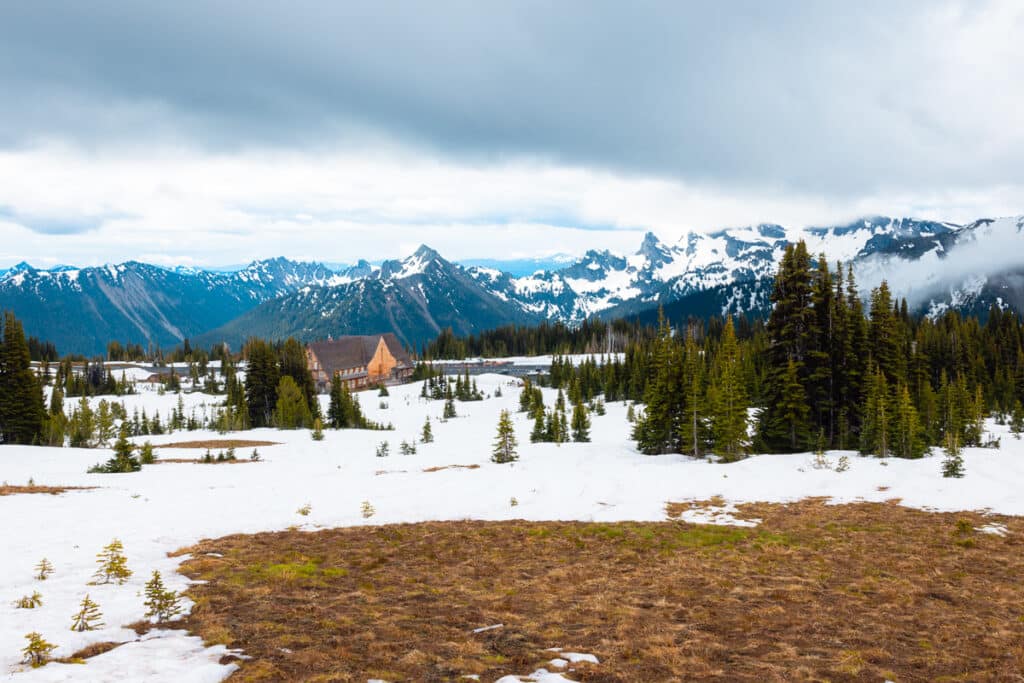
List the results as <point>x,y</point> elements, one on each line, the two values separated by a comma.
<point>816,592</point>
<point>9,490</point>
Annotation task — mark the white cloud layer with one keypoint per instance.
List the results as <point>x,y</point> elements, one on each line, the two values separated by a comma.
<point>220,131</point>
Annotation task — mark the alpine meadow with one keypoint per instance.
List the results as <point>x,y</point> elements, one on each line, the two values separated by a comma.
<point>513,343</point>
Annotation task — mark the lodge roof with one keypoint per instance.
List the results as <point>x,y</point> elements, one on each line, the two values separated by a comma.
<point>356,351</point>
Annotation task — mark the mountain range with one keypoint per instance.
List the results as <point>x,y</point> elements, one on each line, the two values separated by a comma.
<point>936,265</point>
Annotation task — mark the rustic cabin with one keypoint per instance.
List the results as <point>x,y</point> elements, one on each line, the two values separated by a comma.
<point>361,361</point>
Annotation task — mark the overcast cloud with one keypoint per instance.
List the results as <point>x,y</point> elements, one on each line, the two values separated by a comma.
<point>215,132</point>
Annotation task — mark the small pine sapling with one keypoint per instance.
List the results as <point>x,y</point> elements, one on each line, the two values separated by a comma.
<point>146,454</point>
<point>29,601</point>
<point>407,448</point>
<point>427,435</point>
<point>843,464</point>
<point>505,441</point>
<point>630,414</point>
<point>953,462</point>
<point>318,430</point>
<point>208,456</point>
<point>820,461</point>
<point>383,391</point>
<point>383,449</point>
<point>88,617</point>
<point>255,457</point>
<point>161,603</point>
<point>305,510</point>
<point>43,569</point>
<point>37,652</point>
<point>512,502</point>
<point>113,565</point>
<point>367,510</point>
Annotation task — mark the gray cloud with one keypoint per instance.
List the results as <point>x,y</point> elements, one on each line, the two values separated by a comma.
<point>840,99</point>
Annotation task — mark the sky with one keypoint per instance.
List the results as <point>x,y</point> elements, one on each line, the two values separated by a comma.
<point>217,132</point>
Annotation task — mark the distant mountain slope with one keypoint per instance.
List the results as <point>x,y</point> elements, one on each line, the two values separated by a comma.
<point>80,310</point>
<point>415,298</point>
<point>935,265</point>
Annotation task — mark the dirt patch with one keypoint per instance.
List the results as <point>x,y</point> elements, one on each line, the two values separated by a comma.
<point>7,490</point>
<point>90,651</point>
<point>860,592</point>
<point>217,443</point>
<point>452,467</point>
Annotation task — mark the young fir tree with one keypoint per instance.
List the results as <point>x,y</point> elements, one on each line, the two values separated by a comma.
<point>146,454</point>
<point>318,430</point>
<point>427,435</point>
<point>691,427</point>
<point>37,652</point>
<point>88,617</point>
<point>874,432</point>
<point>449,408</point>
<point>539,432</point>
<point>161,603</point>
<point>953,460</point>
<point>383,449</point>
<point>113,565</point>
<point>44,569</point>
<point>291,411</point>
<point>1017,419</point>
<point>580,423</point>
<point>505,441</point>
<point>729,420</point>
<point>906,429</point>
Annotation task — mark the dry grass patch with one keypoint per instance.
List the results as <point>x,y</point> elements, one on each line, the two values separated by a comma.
<point>862,592</point>
<point>217,443</point>
<point>8,490</point>
<point>452,467</point>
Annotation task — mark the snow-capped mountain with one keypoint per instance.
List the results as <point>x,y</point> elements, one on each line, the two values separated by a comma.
<point>935,265</point>
<point>81,309</point>
<point>602,283</point>
<point>415,297</point>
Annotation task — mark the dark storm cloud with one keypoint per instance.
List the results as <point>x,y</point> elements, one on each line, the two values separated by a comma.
<point>837,98</point>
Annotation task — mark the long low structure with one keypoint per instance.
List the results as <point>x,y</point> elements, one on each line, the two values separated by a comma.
<point>360,361</point>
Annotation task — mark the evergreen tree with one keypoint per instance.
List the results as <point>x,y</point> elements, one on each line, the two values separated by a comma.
<point>113,565</point>
<point>691,426</point>
<point>37,652</point>
<point>124,460</point>
<point>161,603</point>
<point>294,364</point>
<point>658,431</point>
<point>427,435</point>
<point>953,461</point>
<point>505,442</point>
<point>449,408</point>
<point>88,616</point>
<point>790,330</point>
<point>21,399</point>
<point>874,436</point>
<point>44,569</point>
<point>906,430</point>
<point>539,432</point>
<point>318,430</point>
<point>580,423</point>
<point>261,382</point>
<point>291,411</point>
<point>729,421</point>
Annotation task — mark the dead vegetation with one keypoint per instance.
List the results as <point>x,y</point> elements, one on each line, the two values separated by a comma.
<point>452,467</point>
<point>817,592</point>
<point>217,443</point>
<point>9,490</point>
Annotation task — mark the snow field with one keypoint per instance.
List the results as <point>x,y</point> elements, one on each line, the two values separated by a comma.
<point>170,506</point>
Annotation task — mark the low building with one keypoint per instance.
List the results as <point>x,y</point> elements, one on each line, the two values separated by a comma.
<point>360,361</point>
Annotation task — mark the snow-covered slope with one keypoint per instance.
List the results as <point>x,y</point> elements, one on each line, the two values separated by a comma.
<point>698,262</point>
<point>169,506</point>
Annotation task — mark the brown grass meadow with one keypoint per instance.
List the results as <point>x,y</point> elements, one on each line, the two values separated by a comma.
<point>816,592</point>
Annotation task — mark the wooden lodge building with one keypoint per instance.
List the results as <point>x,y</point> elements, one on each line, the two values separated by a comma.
<point>361,361</point>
